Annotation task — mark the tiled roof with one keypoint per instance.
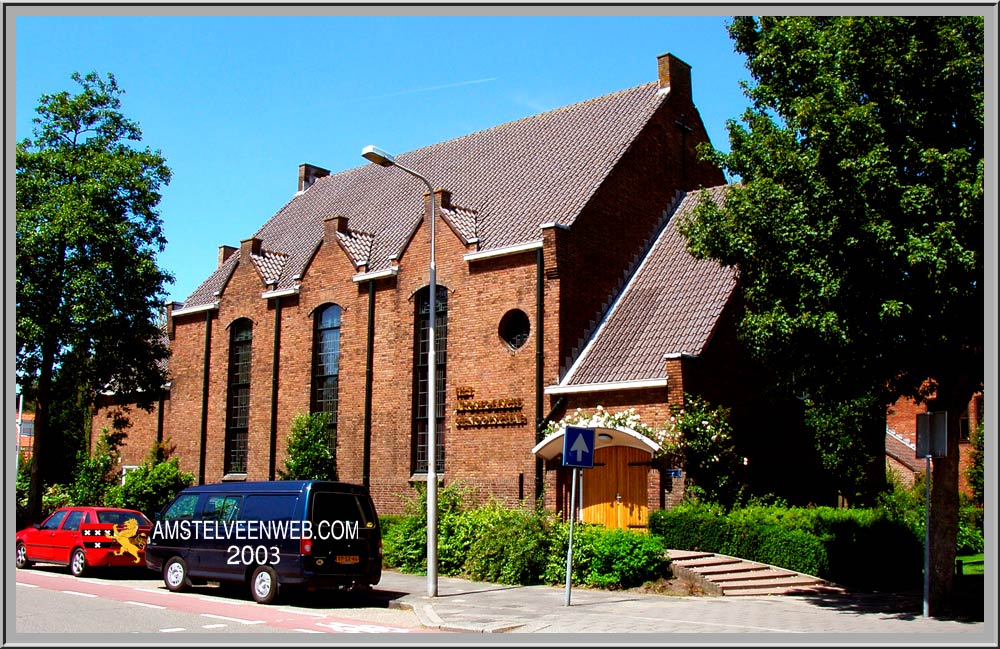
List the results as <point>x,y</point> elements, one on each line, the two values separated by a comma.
<point>358,246</point>
<point>669,306</point>
<point>269,265</point>
<point>508,180</point>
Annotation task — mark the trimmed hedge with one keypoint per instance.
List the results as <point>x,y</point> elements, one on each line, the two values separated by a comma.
<point>845,546</point>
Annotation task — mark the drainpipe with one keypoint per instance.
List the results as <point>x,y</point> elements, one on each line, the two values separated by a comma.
<point>366,459</point>
<point>204,397</point>
<point>274,387</point>
<point>159,418</point>
<point>539,364</point>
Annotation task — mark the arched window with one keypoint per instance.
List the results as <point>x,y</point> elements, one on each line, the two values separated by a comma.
<point>326,366</point>
<point>238,398</point>
<point>422,367</point>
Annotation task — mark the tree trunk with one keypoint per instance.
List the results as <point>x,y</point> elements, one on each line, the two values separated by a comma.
<point>944,508</point>
<point>40,443</point>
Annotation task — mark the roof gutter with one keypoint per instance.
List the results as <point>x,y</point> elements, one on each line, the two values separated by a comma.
<point>211,306</point>
<point>503,252</point>
<point>378,274</point>
<point>606,387</point>
<point>285,292</point>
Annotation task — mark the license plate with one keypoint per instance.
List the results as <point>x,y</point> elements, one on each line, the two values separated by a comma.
<point>348,558</point>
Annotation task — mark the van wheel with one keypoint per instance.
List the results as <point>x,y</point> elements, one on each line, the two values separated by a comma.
<point>21,556</point>
<point>175,575</point>
<point>78,563</point>
<point>264,584</point>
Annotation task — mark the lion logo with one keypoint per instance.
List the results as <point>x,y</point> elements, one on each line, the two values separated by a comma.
<point>129,539</point>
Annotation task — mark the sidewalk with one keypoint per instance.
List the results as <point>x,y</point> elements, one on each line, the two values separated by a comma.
<point>471,607</point>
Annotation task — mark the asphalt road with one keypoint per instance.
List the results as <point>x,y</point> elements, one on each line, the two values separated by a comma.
<point>51,601</point>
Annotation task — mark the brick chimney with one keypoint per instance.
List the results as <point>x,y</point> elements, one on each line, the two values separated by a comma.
<point>225,252</point>
<point>249,247</point>
<point>674,75</point>
<point>332,225</point>
<point>309,174</point>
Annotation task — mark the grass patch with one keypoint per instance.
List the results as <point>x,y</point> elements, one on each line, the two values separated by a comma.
<point>971,564</point>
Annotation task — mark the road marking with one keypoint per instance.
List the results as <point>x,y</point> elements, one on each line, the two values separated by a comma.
<point>173,630</point>
<point>307,630</point>
<point>76,592</point>
<point>20,583</point>
<point>232,619</point>
<point>134,603</point>
<point>214,626</point>
<point>309,613</point>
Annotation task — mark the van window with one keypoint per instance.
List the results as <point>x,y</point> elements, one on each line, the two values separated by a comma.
<point>331,506</point>
<point>269,507</point>
<point>181,508</point>
<point>221,508</point>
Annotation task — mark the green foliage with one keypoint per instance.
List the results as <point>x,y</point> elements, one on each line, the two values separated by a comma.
<point>311,449</point>
<point>975,471</point>
<point>906,506</point>
<point>95,474</point>
<point>850,438</point>
<point>87,234</point>
<point>151,486</point>
<point>405,542</point>
<point>505,546</point>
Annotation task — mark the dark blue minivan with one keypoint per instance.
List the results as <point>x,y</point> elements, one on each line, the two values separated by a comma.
<point>269,534</point>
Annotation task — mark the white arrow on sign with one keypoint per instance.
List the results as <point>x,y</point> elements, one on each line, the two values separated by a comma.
<point>579,447</point>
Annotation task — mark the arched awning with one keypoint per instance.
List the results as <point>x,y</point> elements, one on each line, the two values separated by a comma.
<point>552,446</point>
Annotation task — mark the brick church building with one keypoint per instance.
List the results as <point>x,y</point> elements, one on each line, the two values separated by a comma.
<point>562,282</point>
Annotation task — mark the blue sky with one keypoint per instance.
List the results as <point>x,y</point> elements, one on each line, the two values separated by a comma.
<point>235,103</point>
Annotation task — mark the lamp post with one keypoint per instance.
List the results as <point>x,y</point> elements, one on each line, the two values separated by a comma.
<point>382,158</point>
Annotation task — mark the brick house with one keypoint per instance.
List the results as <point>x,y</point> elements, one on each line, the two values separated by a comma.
<point>562,283</point>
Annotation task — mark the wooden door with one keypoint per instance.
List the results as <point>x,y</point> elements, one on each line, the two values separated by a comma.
<point>614,491</point>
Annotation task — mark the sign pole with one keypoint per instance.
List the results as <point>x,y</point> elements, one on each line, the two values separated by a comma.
<point>927,538</point>
<point>569,550</point>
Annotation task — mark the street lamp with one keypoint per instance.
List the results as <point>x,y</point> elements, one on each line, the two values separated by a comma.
<point>383,158</point>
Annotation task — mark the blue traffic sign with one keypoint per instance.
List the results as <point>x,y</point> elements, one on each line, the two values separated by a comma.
<point>578,447</point>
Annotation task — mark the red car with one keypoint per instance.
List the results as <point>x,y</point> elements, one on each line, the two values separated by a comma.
<point>85,537</point>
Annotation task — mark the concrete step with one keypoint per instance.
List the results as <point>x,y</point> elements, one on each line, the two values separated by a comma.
<point>731,576</point>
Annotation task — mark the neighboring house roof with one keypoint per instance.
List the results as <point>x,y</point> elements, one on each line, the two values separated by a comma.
<point>900,449</point>
<point>505,182</point>
<point>670,306</point>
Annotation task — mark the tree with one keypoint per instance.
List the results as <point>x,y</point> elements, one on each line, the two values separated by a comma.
<point>857,224</point>
<point>311,449</point>
<point>88,231</point>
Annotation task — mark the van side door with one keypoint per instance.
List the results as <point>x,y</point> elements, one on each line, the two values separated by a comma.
<point>220,541</point>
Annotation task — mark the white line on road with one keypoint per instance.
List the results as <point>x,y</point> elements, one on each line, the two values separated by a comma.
<point>173,629</point>
<point>214,626</point>
<point>134,603</point>
<point>307,630</point>
<point>232,619</point>
<point>76,592</point>
<point>21,583</point>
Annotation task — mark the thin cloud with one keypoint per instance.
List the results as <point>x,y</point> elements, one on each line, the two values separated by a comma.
<point>417,90</point>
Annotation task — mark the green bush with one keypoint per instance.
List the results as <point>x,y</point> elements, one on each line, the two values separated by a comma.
<point>150,487</point>
<point>605,558</point>
<point>312,447</point>
<point>506,546</point>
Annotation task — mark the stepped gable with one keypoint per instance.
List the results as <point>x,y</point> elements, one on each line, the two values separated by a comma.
<point>508,180</point>
<point>670,306</point>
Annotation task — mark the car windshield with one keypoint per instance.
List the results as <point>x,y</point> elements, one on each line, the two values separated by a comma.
<point>119,517</point>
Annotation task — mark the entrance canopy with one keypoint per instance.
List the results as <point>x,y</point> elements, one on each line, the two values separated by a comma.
<point>552,446</point>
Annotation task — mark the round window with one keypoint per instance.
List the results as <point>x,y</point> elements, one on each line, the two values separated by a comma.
<point>514,328</point>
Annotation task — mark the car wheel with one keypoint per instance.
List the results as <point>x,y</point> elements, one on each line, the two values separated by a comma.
<point>175,575</point>
<point>264,584</point>
<point>21,556</point>
<point>78,562</point>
